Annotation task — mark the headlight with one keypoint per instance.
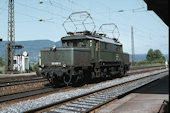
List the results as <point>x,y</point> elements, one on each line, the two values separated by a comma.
<point>42,65</point>
<point>64,65</point>
<point>40,69</point>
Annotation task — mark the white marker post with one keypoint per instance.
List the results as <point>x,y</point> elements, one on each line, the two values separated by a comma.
<point>166,64</point>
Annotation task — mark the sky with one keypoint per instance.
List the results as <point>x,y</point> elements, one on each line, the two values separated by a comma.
<point>148,29</point>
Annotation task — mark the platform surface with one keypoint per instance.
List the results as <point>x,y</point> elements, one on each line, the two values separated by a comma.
<point>147,99</point>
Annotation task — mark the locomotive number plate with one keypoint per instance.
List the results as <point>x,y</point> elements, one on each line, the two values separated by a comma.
<point>55,63</point>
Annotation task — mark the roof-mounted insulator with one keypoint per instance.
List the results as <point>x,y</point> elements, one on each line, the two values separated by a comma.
<point>70,33</point>
<point>41,2</point>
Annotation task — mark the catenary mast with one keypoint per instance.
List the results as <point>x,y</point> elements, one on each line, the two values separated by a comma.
<point>11,38</point>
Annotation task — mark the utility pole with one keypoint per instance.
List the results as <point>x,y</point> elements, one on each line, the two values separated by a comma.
<point>132,44</point>
<point>1,39</point>
<point>11,38</point>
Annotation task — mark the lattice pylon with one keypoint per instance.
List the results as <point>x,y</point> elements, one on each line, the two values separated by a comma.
<point>11,37</point>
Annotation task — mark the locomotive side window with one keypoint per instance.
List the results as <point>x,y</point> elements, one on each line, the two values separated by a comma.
<point>97,45</point>
<point>111,47</point>
<point>103,46</point>
<point>64,44</point>
<point>75,43</point>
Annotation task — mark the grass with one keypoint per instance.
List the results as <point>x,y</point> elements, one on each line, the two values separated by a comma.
<point>2,69</point>
<point>152,64</point>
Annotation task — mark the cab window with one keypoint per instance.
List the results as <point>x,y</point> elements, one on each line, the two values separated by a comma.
<point>83,43</point>
<point>75,43</point>
<point>67,44</point>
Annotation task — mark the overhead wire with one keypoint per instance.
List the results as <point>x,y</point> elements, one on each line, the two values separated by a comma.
<point>142,7</point>
<point>40,10</point>
<point>150,14</point>
<point>58,5</point>
<point>44,20</point>
<point>149,33</point>
<point>99,2</point>
<point>148,36</point>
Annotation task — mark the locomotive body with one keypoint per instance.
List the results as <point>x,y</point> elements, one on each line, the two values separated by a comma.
<point>83,56</point>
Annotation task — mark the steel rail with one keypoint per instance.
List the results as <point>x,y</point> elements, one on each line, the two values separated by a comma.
<point>26,79</point>
<point>12,83</point>
<point>41,79</point>
<point>28,93</point>
<point>143,67</point>
<point>98,106</point>
<point>24,94</point>
<point>138,71</point>
<point>87,93</point>
<point>37,91</point>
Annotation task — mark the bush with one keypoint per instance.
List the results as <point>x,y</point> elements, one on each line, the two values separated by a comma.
<point>35,67</point>
<point>148,63</point>
<point>2,69</point>
<point>143,62</point>
<point>1,61</point>
<point>155,56</point>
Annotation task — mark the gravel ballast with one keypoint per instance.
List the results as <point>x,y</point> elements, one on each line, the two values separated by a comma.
<point>112,94</point>
<point>34,103</point>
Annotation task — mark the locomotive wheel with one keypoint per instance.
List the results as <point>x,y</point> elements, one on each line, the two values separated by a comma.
<point>122,73</point>
<point>78,80</point>
<point>67,79</point>
<point>125,73</point>
<point>51,77</point>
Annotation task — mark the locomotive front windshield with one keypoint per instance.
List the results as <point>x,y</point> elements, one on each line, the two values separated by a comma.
<point>75,43</point>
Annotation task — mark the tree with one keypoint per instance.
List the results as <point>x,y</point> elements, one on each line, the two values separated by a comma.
<point>155,55</point>
<point>150,55</point>
<point>35,66</point>
<point>1,61</point>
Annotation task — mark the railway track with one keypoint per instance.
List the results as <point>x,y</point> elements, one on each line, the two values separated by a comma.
<point>144,67</point>
<point>24,94</point>
<point>19,82</point>
<point>135,70</point>
<point>90,100</point>
<point>38,91</point>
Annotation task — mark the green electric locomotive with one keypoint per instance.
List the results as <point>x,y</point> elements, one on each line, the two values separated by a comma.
<point>84,56</point>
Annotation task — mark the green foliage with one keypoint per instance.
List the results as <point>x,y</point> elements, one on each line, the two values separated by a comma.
<point>2,69</point>
<point>147,63</point>
<point>150,55</point>
<point>1,61</point>
<point>155,56</point>
<point>35,67</point>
